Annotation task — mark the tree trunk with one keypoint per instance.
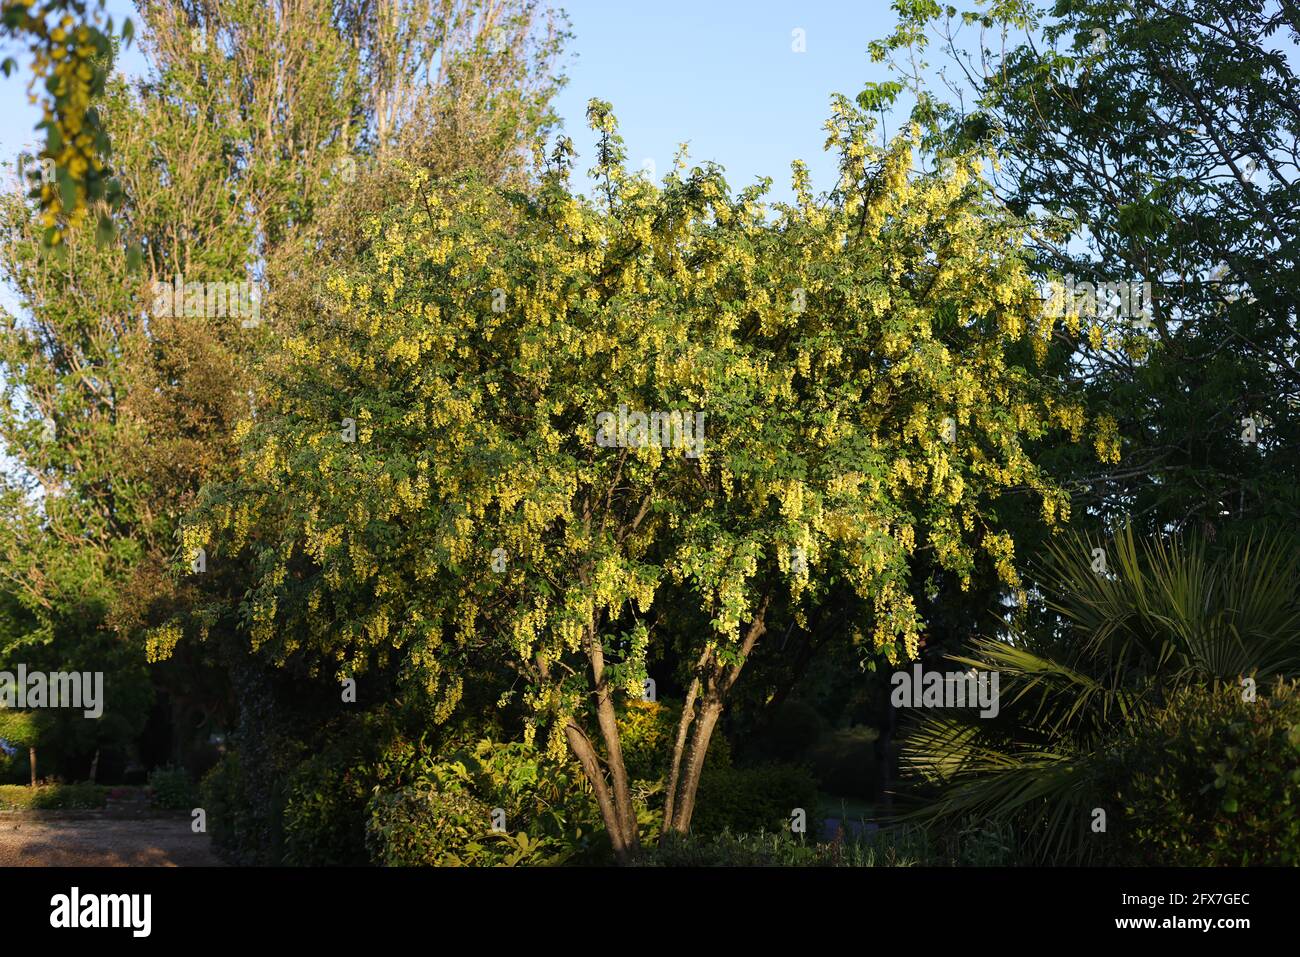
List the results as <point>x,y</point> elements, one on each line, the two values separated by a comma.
<point>31,758</point>
<point>624,809</point>
<point>683,728</point>
<point>684,776</point>
<point>615,796</point>
<point>690,778</point>
<point>581,747</point>
<point>94,766</point>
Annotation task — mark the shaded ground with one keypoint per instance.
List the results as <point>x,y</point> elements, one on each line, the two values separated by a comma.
<point>60,842</point>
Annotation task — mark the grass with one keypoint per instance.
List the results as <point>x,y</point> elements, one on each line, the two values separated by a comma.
<point>901,848</point>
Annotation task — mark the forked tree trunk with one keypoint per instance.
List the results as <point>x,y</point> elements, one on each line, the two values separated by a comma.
<point>709,690</point>
<point>707,695</point>
<point>689,785</point>
<point>624,809</point>
<point>582,749</point>
<point>683,730</point>
<point>613,796</point>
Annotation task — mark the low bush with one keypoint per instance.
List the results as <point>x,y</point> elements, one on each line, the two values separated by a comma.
<point>647,732</point>
<point>1213,779</point>
<point>173,789</point>
<point>742,799</point>
<point>52,797</point>
<point>422,826</point>
<point>223,793</point>
<point>752,799</point>
<point>450,816</point>
<point>324,813</point>
<point>326,793</point>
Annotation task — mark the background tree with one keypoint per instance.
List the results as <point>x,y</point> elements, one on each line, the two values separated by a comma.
<point>250,121</point>
<point>1156,140</point>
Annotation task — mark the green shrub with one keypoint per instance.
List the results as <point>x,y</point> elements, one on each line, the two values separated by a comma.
<point>446,818</point>
<point>982,844</point>
<point>423,826</point>
<point>173,789</point>
<point>1211,780</point>
<point>52,797</point>
<point>224,797</point>
<point>1083,677</point>
<point>647,732</point>
<point>326,794</point>
<point>742,799</point>
<point>324,814</point>
<point>752,799</point>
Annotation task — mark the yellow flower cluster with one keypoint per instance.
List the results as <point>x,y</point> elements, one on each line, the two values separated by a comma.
<point>63,64</point>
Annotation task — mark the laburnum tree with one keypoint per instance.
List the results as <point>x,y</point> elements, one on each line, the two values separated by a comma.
<point>439,473</point>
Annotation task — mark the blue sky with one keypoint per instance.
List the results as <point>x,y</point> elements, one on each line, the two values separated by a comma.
<point>721,76</point>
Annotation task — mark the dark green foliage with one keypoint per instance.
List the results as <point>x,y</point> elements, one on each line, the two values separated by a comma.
<point>327,793</point>
<point>902,848</point>
<point>53,797</point>
<point>1211,779</point>
<point>324,820</point>
<point>447,817</point>
<point>173,789</point>
<point>844,762</point>
<point>423,826</point>
<point>1145,137</point>
<point>648,729</point>
<point>753,798</point>
<point>739,798</point>
<point>795,730</point>
<point>1167,613</point>
<point>231,821</point>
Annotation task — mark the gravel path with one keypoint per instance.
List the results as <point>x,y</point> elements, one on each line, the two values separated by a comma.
<point>149,842</point>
